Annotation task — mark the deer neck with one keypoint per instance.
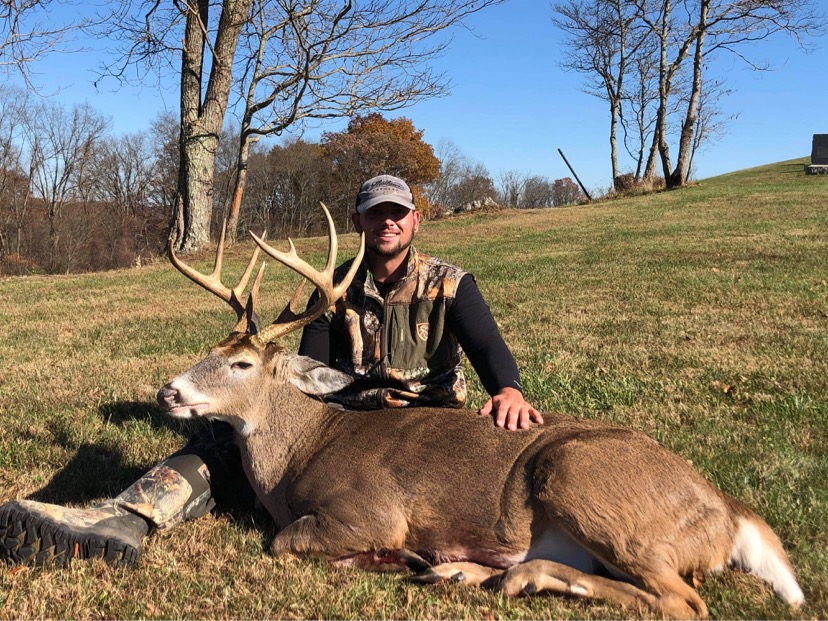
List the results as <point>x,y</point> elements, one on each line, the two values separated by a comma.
<point>285,433</point>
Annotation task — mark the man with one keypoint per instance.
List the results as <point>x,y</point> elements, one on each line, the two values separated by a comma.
<point>398,330</point>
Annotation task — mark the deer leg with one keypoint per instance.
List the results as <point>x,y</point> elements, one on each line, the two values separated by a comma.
<point>540,575</point>
<point>674,597</point>
<point>471,574</point>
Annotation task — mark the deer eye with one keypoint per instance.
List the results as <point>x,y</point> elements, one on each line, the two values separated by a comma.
<point>241,364</point>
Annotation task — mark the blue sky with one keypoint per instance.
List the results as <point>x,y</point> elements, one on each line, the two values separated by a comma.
<point>511,106</point>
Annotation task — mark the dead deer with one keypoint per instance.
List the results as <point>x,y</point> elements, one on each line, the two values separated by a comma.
<point>574,506</point>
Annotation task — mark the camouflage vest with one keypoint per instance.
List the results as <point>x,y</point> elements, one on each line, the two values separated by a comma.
<point>397,348</point>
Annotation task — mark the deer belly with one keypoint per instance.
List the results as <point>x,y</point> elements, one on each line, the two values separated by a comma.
<point>454,547</point>
<point>553,544</point>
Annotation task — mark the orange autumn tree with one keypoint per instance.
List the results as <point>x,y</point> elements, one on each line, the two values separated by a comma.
<point>373,145</point>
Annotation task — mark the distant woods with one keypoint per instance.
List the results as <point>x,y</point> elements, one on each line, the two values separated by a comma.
<point>75,197</point>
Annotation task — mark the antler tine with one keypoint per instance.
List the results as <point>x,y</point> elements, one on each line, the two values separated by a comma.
<point>288,320</point>
<point>239,289</point>
<point>212,282</point>
<point>288,313</point>
<point>254,290</point>
<point>248,323</point>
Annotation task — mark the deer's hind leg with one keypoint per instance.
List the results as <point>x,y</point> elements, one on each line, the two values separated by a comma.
<point>642,511</point>
<point>537,576</point>
<point>674,597</point>
<point>541,575</point>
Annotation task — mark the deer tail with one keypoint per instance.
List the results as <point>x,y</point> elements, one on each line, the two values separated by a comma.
<point>757,550</point>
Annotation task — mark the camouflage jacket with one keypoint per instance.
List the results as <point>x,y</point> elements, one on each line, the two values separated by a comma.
<point>398,348</point>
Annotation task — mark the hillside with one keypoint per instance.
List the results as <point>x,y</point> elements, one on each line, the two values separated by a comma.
<point>699,316</point>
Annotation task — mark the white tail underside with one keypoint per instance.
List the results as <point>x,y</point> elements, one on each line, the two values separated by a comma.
<point>753,553</point>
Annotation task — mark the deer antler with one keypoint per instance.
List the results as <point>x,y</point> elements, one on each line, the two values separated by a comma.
<point>289,320</point>
<point>213,282</point>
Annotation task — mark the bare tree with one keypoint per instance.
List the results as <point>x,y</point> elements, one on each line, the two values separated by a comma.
<point>452,165</point>
<point>296,61</point>
<point>15,192</point>
<point>647,59</point>
<point>537,192</point>
<point>511,184</point>
<point>337,59</point>
<point>60,143</point>
<point>638,103</point>
<point>602,37</point>
<point>165,131</point>
<point>286,186</point>
<point>28,32</point>
<point>121,172</point>
<point>700,29</point>
<point>226,176</point>
<point>204,35</point>
<point>712,121</point>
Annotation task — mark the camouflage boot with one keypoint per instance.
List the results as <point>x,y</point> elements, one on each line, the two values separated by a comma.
<point>36,533</point>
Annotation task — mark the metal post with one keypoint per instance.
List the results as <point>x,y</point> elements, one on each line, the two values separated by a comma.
<point>575,174</point>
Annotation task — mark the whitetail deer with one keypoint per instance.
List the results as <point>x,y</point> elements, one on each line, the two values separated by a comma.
<point>545,508</point>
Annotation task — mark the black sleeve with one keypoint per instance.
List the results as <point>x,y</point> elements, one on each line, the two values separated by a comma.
<point>316,341</point>
<point>470,319</point>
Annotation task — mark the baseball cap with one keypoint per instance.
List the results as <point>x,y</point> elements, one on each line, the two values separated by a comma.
<point>384,189</point>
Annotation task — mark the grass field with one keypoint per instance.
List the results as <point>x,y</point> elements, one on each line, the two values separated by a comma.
<point>698,316</point>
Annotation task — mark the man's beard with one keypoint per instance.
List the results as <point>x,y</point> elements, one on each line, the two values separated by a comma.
<point>400,247</point>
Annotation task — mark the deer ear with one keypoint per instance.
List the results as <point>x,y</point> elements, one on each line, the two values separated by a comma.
<point>314,378</point>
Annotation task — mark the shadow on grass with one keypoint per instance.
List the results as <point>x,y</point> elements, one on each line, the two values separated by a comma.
<point>98,471</point>
<point>121,412</point>
<point>94,472</point>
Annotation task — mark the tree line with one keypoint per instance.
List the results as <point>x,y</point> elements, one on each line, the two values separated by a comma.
<point>264,65</point>
<point>268,66</point>
<point>75,197</point>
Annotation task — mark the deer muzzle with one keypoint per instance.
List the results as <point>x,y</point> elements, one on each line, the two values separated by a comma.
<point>171,400</point>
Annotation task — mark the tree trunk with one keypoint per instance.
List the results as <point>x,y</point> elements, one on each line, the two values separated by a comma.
<point>614,106</point>
<point>649,168</point>
<point>663,93</point>
<point>679,175</point>
<point>194,204</point>
<point>238,189</point>
<point>661,116</point>
<point>202,118</point>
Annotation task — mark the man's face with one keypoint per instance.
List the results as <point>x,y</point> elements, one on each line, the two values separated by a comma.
<point>389,228</point>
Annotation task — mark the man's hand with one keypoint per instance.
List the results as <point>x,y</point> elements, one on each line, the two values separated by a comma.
<point>510,410</point>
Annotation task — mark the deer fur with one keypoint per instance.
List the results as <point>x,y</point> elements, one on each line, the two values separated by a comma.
<point>545,508</point>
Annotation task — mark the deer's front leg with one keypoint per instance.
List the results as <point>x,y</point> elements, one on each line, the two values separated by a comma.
<point>321,535</point>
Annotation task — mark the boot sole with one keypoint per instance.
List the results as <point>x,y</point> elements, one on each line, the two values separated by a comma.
<point>35,540</point>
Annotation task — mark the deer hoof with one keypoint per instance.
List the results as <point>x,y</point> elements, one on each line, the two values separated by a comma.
<point>414,561</point>
<point>426,577</point>
<point>529,589</point>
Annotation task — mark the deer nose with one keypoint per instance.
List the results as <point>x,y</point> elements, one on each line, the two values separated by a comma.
<point>167,397</point>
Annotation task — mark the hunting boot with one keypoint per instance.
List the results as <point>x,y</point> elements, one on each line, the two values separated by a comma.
<point>173,491</point>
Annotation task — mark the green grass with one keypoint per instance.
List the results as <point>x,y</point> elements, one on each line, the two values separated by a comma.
<point>698,316</point>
